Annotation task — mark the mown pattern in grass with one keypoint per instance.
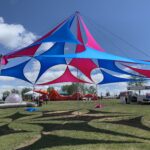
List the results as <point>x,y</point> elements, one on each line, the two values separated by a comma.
<point>76,125</point>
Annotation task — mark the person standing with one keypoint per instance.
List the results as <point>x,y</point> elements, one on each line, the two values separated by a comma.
<point>46,99</point>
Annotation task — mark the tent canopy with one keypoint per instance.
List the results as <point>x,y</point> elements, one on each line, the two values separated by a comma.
<point>82,59</point>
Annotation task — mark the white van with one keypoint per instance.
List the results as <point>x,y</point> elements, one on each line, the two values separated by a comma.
<point>143,98</point>
<point>130,96</point>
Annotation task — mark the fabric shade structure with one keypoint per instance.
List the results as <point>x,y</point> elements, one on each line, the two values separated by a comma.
<point>85,69</point>
<point>16,71</point>
<point>3,61</point>
<point>91,42</point>
<point>82,59</point>
<point>57,48</point>
<point>108,78</point>
<point>143,72</point>
<point>66,77</point>
<point>80,63</point>
<point>31,49</point>
<point>63,34</point>
<point>51,32</point>
<point>94,54</point>
<point>28,51</point>
<point>111,65</point>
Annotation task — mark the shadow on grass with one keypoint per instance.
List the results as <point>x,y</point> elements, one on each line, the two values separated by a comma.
<point>84,118</point>
<point>17,115</point>
<point>83,126</point>
<point>91,111</point>
<point>49,141</point>
<point>134,122</point>
<point>5,130</point>
<point>55,114</point>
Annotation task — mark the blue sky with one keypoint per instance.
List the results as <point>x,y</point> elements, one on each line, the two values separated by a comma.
<point>129,19</point>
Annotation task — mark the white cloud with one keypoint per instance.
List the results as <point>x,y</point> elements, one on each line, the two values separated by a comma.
<point>113,88</point>
<point>1,20</point>
<point>4,78</point>
<point>31,70</point>
<point>52,73</point>
<point>14,36</point>
<point>97,77</point>
<point>44,47</point>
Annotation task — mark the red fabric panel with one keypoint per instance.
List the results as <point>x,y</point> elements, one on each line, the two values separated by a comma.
<point>84,65</point>
<point>146,73</point>
<point>29,51</point>
<point>4,60</point>
<point>79,48</point>
<point>66,77</point>
<point>91,42</point>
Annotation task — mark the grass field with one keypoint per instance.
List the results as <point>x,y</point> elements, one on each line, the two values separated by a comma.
<point>76,126</point>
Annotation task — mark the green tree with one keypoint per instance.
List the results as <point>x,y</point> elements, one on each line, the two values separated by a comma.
<point>49,89</point>
<point>107,93</point>
<point>23,91</point>
<point>77,87</point>
<point>137,81</point>
<point>70,89</point>
<point>91,90</point>
<point>5,94</point>
<point>15,91</point>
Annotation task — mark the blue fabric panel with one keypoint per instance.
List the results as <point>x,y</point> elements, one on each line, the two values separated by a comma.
<point>16,71</point>
<point>46,63</point>
<point>63,34</point>
<point>95,54</point>
<point>108,78</point>
<point>110,65</point>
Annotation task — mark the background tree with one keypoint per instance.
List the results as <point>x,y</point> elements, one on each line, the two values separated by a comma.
<point>107,93</point>
<point>5,94</point>
<point>77,87</point>
<point>49,89</point>
<point>91,90</point>
<point>25,90</point>
<point>137,81</point>
<point>70,89</point>
<point>15,91</point>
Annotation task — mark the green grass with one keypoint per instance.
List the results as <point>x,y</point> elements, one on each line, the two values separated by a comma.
<point>76,125</point>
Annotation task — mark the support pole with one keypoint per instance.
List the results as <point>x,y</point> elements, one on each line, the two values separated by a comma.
<point>96,90</point>
<point>33,87</point>
<point>78,92</point>
<point>1,63</point>
<point>98,100</point>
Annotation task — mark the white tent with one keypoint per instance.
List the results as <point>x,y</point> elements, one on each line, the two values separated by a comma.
<point>31,93</point>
